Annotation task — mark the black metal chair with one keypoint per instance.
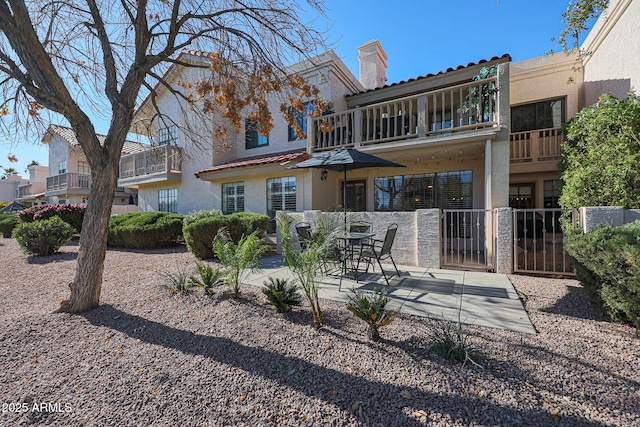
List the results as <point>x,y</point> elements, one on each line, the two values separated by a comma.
<point>379,250</point>
<point>304,234</point>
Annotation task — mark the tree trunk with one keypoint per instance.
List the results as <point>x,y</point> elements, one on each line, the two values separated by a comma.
<point>373,334</point>
<point>87,284</point>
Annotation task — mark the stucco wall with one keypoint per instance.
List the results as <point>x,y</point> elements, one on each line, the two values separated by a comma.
<point>612,63</point>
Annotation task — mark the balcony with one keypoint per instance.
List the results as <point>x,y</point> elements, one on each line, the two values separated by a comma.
<point>156,164</point>
<point>536,146</point>
<point>452,110</point>
<point>69,183</point>
<point>24,191</point>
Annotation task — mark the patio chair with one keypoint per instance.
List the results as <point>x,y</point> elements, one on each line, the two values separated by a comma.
<point>379,250</point>
<point>304,234</point>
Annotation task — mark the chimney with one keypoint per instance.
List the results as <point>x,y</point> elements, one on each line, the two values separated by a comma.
<point>373,65</point>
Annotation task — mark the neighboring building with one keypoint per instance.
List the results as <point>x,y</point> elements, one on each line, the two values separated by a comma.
<point>33,192</point>
<point>9,187</point>
<point>69,179</point>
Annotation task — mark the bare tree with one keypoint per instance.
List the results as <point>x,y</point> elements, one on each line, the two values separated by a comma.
<point>74,58</point>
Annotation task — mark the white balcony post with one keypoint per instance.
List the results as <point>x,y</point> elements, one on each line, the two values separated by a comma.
<point>311,135</point>
<point>357,124</point>
<point>422,116</point>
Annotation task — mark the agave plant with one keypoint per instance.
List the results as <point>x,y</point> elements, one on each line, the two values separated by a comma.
<point>370,307</point>
<point>281,294</point>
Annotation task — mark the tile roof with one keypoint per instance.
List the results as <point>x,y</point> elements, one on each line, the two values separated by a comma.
<point>459,67</point>
<point>257,161</point>
<point>69,135</point>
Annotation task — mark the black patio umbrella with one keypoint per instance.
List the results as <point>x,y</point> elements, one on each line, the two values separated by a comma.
<point>12,207</point>
<point>345,159</point>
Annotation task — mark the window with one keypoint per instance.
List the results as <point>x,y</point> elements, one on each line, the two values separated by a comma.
<point>552,193</point>
<point>539,115</point>
<point>233,197</point>
<point>168,135</point>
<point>301,118</point>
<point>281,195</point>
<point>252,137</point>
<point>445,190</point>
<point>83,168</point>
<point>168,200</point>
<point>62,167</point>
<point>521,196</point>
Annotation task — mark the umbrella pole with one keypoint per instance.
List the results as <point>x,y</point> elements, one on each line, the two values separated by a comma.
<point>344,199</point>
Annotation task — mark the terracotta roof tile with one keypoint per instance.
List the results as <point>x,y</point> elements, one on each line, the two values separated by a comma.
<point>459,67</point>
<point>257,161</point>
<point>69,135</point>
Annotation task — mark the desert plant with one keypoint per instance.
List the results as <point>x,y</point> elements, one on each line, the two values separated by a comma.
<point>7,223</point>
<point>450,340</point>
<point>206,277</point>
<point>144,230</point>
<point>309,264</point>
<point>43,237</point>
<point>281,294</point>
<point>239,260</point>
<point>177,283</point>
<point>371,307</point>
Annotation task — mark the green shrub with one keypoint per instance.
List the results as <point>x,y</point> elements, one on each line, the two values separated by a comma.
<point>207,278</point>
<point>244,223</point>
<point>281,294</point>
<point>7,223</point>
<point>194,216</point>
<point>607,262</point>
<point>144,230</point>
<point>199,235</point>
<point>200,232</point>
<point>370,307</point>
<point>43,237</point>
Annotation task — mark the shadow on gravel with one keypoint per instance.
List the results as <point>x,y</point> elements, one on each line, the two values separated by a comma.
<point>315,380</point>
<point>57,257</point>
<point>177,249</point>
<point>574,304</point>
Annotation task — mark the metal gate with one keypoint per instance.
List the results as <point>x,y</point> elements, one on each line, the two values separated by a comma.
<point>468,239</point>
<point>538,240</point>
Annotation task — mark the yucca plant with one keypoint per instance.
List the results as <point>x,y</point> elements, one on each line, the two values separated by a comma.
<point>370,307</point>
<point>206,277</point>
<point>240,260</point>
<point>281,294</point>
<point>178,282</point>
<point>451,341</point>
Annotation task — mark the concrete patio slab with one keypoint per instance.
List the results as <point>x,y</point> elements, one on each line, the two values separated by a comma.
<point>476,298</point>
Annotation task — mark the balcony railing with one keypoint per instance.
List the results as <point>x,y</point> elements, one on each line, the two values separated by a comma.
<point>24,191</point>
<point>464,107</point>
<point>68,181</point>
<point>536,145</point>
<point>162,159</point>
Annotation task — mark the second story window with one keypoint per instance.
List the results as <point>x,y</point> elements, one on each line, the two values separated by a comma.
<point>252,137</point>
<point>62,167</point>
<point>168,135</point>
<point>539,115</point>
<point>301,119</point>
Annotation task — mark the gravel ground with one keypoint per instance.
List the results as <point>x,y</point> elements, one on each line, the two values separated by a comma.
<point>146,358</point>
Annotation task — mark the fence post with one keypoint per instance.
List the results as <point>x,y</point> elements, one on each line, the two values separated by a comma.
<point>428,237</point>
<point>504,240</point>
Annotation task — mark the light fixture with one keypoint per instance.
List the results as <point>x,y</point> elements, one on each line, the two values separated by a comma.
<point>323,175</point>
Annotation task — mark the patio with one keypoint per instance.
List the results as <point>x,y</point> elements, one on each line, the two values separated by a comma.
<point>484,299</point>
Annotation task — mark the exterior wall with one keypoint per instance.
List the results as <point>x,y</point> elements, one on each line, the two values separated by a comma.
<point>8,188</point>
<point>612,63</point>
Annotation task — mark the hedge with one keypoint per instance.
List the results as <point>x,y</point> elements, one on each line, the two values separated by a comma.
<point>43,237</point>
<point>7,223</point>
<point>199,235</point>
<point>69,213</point>
<point>144,230</point>
<point>607,262</point>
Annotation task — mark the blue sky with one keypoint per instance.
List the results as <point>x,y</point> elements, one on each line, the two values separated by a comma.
<point>419,37</point>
